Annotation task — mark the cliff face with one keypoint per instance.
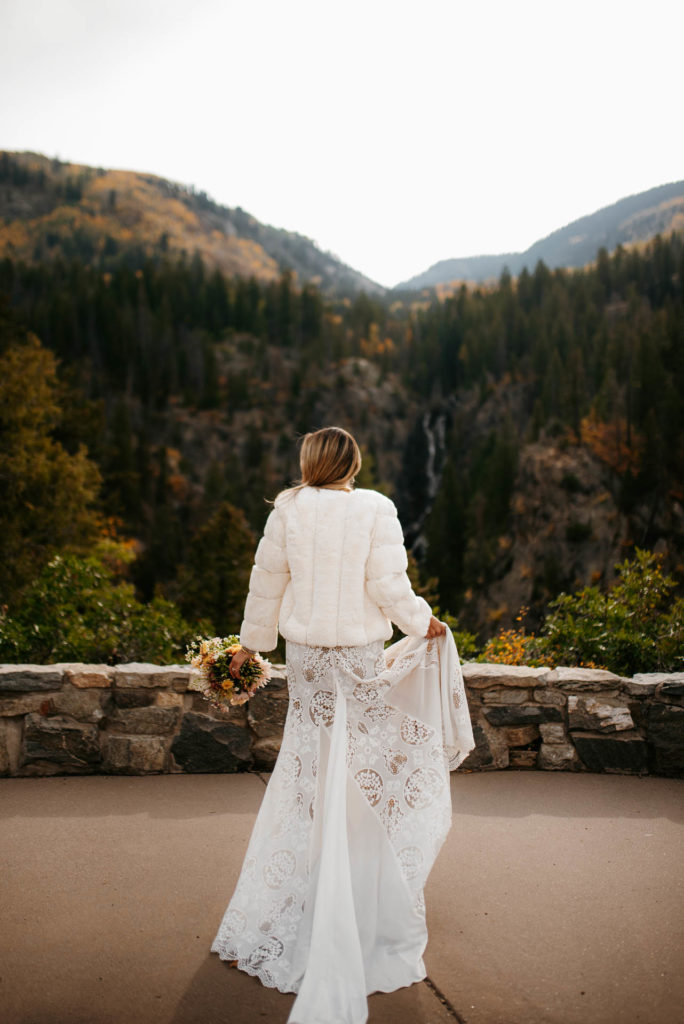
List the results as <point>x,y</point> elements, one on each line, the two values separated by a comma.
<point>564,529</point>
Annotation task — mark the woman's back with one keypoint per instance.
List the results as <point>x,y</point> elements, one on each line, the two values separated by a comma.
<point>330,570</point>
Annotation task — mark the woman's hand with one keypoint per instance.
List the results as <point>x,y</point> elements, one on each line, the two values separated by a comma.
<point>436,628</point>
<point>237,661</point>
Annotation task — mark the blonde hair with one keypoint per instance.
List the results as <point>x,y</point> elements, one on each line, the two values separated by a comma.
<point>327,456</point>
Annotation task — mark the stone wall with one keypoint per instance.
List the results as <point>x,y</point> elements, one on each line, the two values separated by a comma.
<point>135,719</point>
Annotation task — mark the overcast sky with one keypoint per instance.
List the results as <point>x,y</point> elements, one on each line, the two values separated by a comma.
<point>394,134</point>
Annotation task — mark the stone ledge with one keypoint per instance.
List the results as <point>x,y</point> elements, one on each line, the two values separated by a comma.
<point>140,718</point>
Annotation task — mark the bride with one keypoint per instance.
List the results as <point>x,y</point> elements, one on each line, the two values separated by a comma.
<point>329,901</point>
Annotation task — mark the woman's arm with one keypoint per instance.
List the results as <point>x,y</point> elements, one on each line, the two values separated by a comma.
<point>387,581</point>
<point>269,577</point>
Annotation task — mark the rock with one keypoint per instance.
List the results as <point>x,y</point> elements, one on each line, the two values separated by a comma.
<point>87,676</point>
<point>4,750</point>
<point>266,753</point>
<point>84,705</point>
<point>553,732</point>
<point>155,720</point>
<point>135,698</point>
<point>486,674</point>
<point>665,726</point>
<point>521,735</point>
<point>134,755</point>
<point>27,702</point>
<point>491,749</point>
<point>568,678</point>
<point>237,713</point>
<point>60,741</point>
<point>266,712</point>
<point>556,756</point>
<point>642,684</point>
<point>205,745</point>
<point>169,699</point>
<point>667,761</point>
<point>671,691</point>
<point>523,758</point>
<point>136,674</point>
<point>612,753</point>
<point>546,696</point>
<point>527,714</point>
<point>587,712</point>
<point>30,677</point>
<point>503,696</point>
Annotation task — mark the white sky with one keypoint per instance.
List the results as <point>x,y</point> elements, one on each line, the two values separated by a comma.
<point>394,134</point>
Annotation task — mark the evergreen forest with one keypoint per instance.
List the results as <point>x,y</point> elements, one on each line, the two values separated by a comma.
<point>153,404</point>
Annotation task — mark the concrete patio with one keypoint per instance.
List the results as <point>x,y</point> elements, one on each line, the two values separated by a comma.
<point>557,899</point>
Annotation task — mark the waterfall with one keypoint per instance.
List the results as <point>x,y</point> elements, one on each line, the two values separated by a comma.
<point>435,436</point>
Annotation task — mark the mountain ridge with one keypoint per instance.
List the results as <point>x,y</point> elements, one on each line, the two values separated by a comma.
<point>51,207</point>
<point>634,218</point>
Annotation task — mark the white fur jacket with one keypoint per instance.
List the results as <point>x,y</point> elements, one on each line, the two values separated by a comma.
<point>330,570</point>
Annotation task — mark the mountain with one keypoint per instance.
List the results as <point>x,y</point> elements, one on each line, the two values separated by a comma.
<point>50,208</point>
<point>633,219</point>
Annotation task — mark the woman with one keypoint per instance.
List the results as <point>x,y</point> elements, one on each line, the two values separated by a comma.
<point>329,902</point>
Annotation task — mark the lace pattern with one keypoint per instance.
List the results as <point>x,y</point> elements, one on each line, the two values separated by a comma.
<point>399,751</point>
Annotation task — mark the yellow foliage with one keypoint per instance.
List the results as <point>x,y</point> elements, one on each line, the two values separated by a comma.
<point>608,441</point>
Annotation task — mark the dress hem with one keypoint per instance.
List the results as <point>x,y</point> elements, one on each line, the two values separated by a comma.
<point>266,979</point>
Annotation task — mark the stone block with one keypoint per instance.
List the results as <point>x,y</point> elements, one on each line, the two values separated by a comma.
<point>616,753</point>
<point>25,703</point>
<point>665,726</point>
<point>237,713</point>
<point>4,750</point>
<point>642,684</point>
<point>84,705</point>
<point>491,749</point>
<point>500,695</point>
<point>138,674</point>
<point>154,720</point>
<point>30,677</point>
<point>549,696</point>
<point>671,691</point>
<point>667,761</point>
<point>553,732</point>
<point>266,712</point>
<point>521,735</point>
<point>61,741</point>
<point>206,745</point>
<point>595,713</point>
<point>134,698</point>
<point>266,753</point>
<point>134,755</point>
<point>523,758</point>
<point>582,679</point>
<point>557,757</point>
<point>86,677</point>
<point>169,699</point>
<point>526,714</point>
<point>485,674</point>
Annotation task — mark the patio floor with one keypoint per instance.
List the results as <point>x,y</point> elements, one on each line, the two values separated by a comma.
<point>557,899</point>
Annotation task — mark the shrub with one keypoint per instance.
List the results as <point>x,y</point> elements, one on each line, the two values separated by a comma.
<point>637,625</point>
<point>514,647</point>
<point>80,609</point>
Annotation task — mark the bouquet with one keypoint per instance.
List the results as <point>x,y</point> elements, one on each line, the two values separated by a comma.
<point>213,657</point>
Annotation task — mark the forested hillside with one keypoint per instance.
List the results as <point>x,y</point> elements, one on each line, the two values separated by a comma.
<point>51,209</point>
<point>531,433</point>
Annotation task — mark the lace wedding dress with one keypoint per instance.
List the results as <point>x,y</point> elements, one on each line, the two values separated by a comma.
<point>329,902</point>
